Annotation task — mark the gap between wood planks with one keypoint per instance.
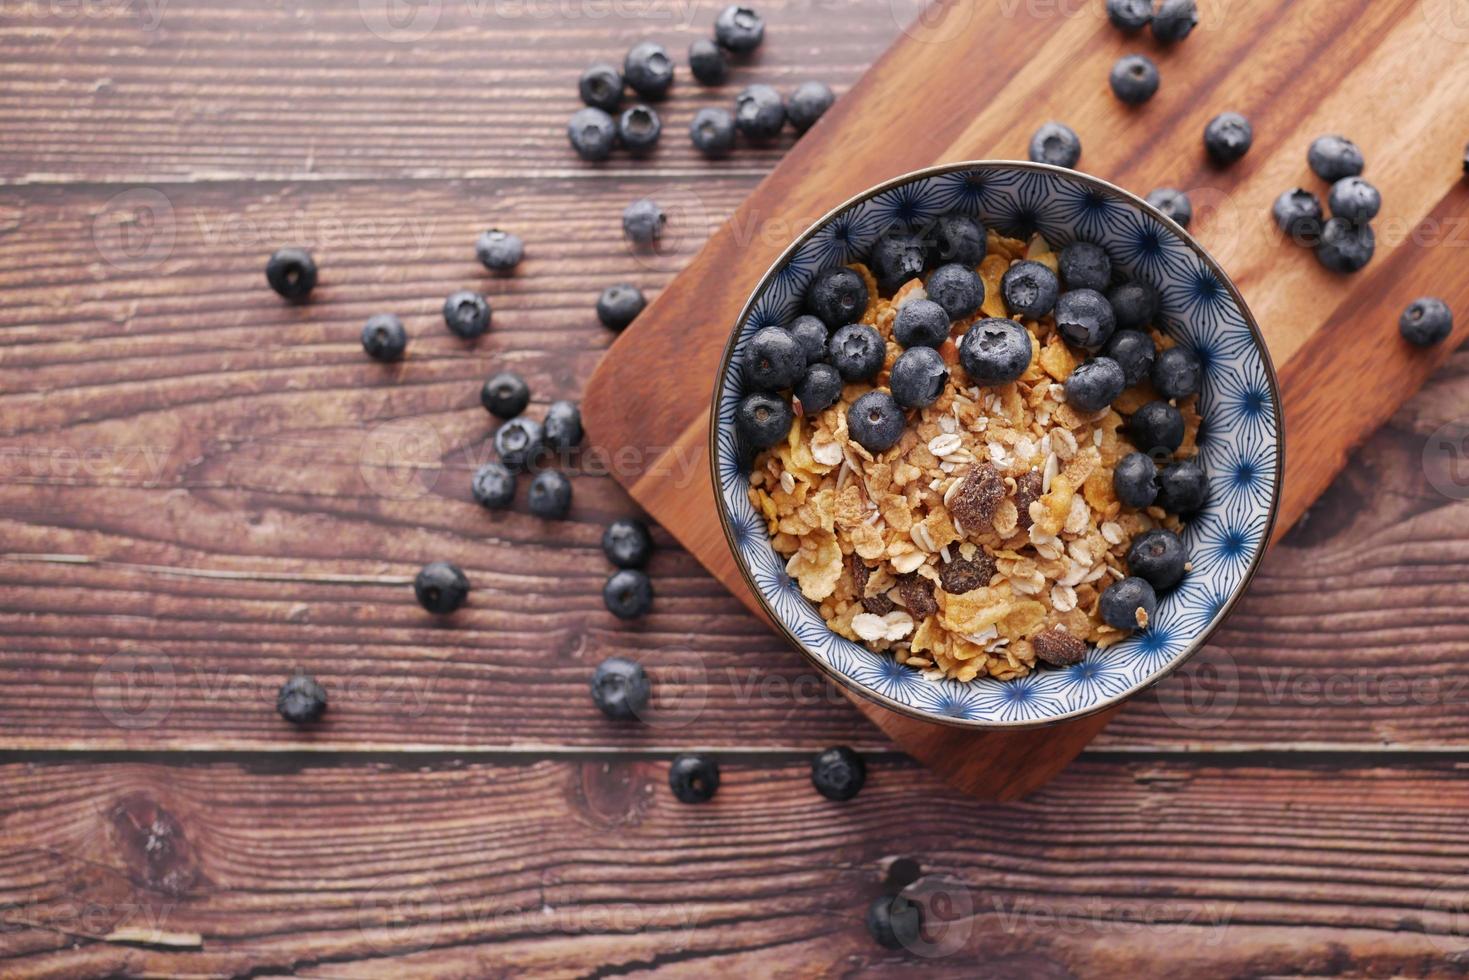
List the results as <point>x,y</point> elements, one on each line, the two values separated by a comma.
<point>226,177</point>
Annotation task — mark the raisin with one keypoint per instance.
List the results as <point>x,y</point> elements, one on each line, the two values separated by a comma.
<point>1057,647</point>
<point>974,504</point>
<point>917,593</point>
<point>965,575</point>
<point>1027,492</point>
<point>878,605</point>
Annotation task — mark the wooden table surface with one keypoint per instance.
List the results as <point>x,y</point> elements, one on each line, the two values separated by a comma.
<point>202,488</point>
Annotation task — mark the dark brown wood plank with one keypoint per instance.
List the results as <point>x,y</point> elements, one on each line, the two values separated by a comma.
<point>89,92</point>
<point>591,868</point>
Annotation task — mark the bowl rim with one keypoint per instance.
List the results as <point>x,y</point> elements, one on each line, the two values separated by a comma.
<point>1126,197</point>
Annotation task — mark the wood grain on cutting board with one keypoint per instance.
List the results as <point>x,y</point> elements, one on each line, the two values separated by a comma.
<point>972,81</point>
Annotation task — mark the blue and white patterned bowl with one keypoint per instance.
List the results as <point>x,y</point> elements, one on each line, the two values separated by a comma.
<point>1239,441</point>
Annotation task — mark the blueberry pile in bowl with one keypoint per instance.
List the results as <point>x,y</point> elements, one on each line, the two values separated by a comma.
<point>995,445</point>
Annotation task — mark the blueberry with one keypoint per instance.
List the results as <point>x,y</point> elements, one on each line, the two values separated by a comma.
<point>648,69</point>
<point>774,359</point>
<point>759,113</point>
<point>895,258</point>
<point>1157,557</point>
<point>505,395</point>
<point>600,87</point>
<point>550,495</point>
<point>837,297</point>
<point>1173,203</point>
<point>643,221</point>
<point>1174,19</point>
<point>1177,373</point>
<point>739,29</point>
<point>811,335</point>
<point>440,587</point>
<point>620,688</point>
<point>499,251</point>
<point>1298,213</point>
<point>838,773</point>
<point>1227,136</point>
<point>1333,157</point>
<point>1427,321</point>
<point>1182,487</point>
<point>1129,604</point>
<point>763,419</point>
<point>1345,247</point>
<point>693,778</point>
<point>593,133</point>
<point>1129,16</point>
<point>957,288</point>
<point>957,238</point>
<point>1057,144</point>
<point>1085,318</point>
<point>1030,289</point>
<point>1134,79</point>
<point>918,377</point>
<point>562,426</point>
<point>1134,352</point>
<point>291,272</point>
<point>921,323</point>
<point>995,351</point>
<point>467,314</point>
<point>619,305</point>
<point>1085,266</point>
<point>1134,304</point>
<point>639,128</point>
<point>519,442</point>
<point>384,338</point>
<point>713,132</point>
<point>706,61</point>
<point>627,543</point>
<point>1354,199</point>
<point>628,593</point>
<point>1094,385</point>
<point>895,922</point>
<point>301,700</point>
<point>1156,428</point>
<point>876,421</point>
<point>857,352</point>
<point>493,486</point>
<point>819,389</point>
<point>807,104</point>
<point>1135,480</point>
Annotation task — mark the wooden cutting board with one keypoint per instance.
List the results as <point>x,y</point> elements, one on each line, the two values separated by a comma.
<point>972,79</point>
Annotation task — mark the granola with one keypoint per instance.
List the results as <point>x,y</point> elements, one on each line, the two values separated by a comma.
<point>981,543</point>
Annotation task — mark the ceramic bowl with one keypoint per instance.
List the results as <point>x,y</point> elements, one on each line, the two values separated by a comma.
<point>1240,443</point>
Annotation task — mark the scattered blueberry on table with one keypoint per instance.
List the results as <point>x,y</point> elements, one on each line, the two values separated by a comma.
<point>493,486</point>
<point>808,103</point>
<point>1134,79</point>
<point>550,495</point>
<point>621,688</point>
<point>441,587</point>
<point>760,113</point>
<point>1345,247</point>
<point>291,272</point>
<point>1298,214</point>
<point>1354,199</point>
<point>643,221</point>
<point>301,700</point>
<point>707,62</point>
<point>518,442</point>
<point>499,251</point>
<point>712,132</point>
<point>648,69</point>
<point>1174,203</point>
<point>618,305</point>
<point>1057,144</point>
<point>739,29</point>
<point>384,338</point>
<point>627,543</point>
<point>1130,16</point>
<point>693,778</point>
<point>639,128</point>
<point>838,773</point>
<point>1227,137</point>
<point>1426,321</point>
<point>600,87</point>
<point>593,134</point>
<point>561,429</point>
<point>1333,157</point>
<point>894,921</point>
<point>1174,20</point>
<point>628,593</point>
<point>467,314</point>
<point>505,395</point>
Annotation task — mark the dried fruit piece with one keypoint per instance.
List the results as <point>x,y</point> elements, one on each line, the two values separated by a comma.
<point>1057,647</point>
<point>967,574</point>
<point>1027,491</point>
<point>917,593</point>
<point>973,505</point>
